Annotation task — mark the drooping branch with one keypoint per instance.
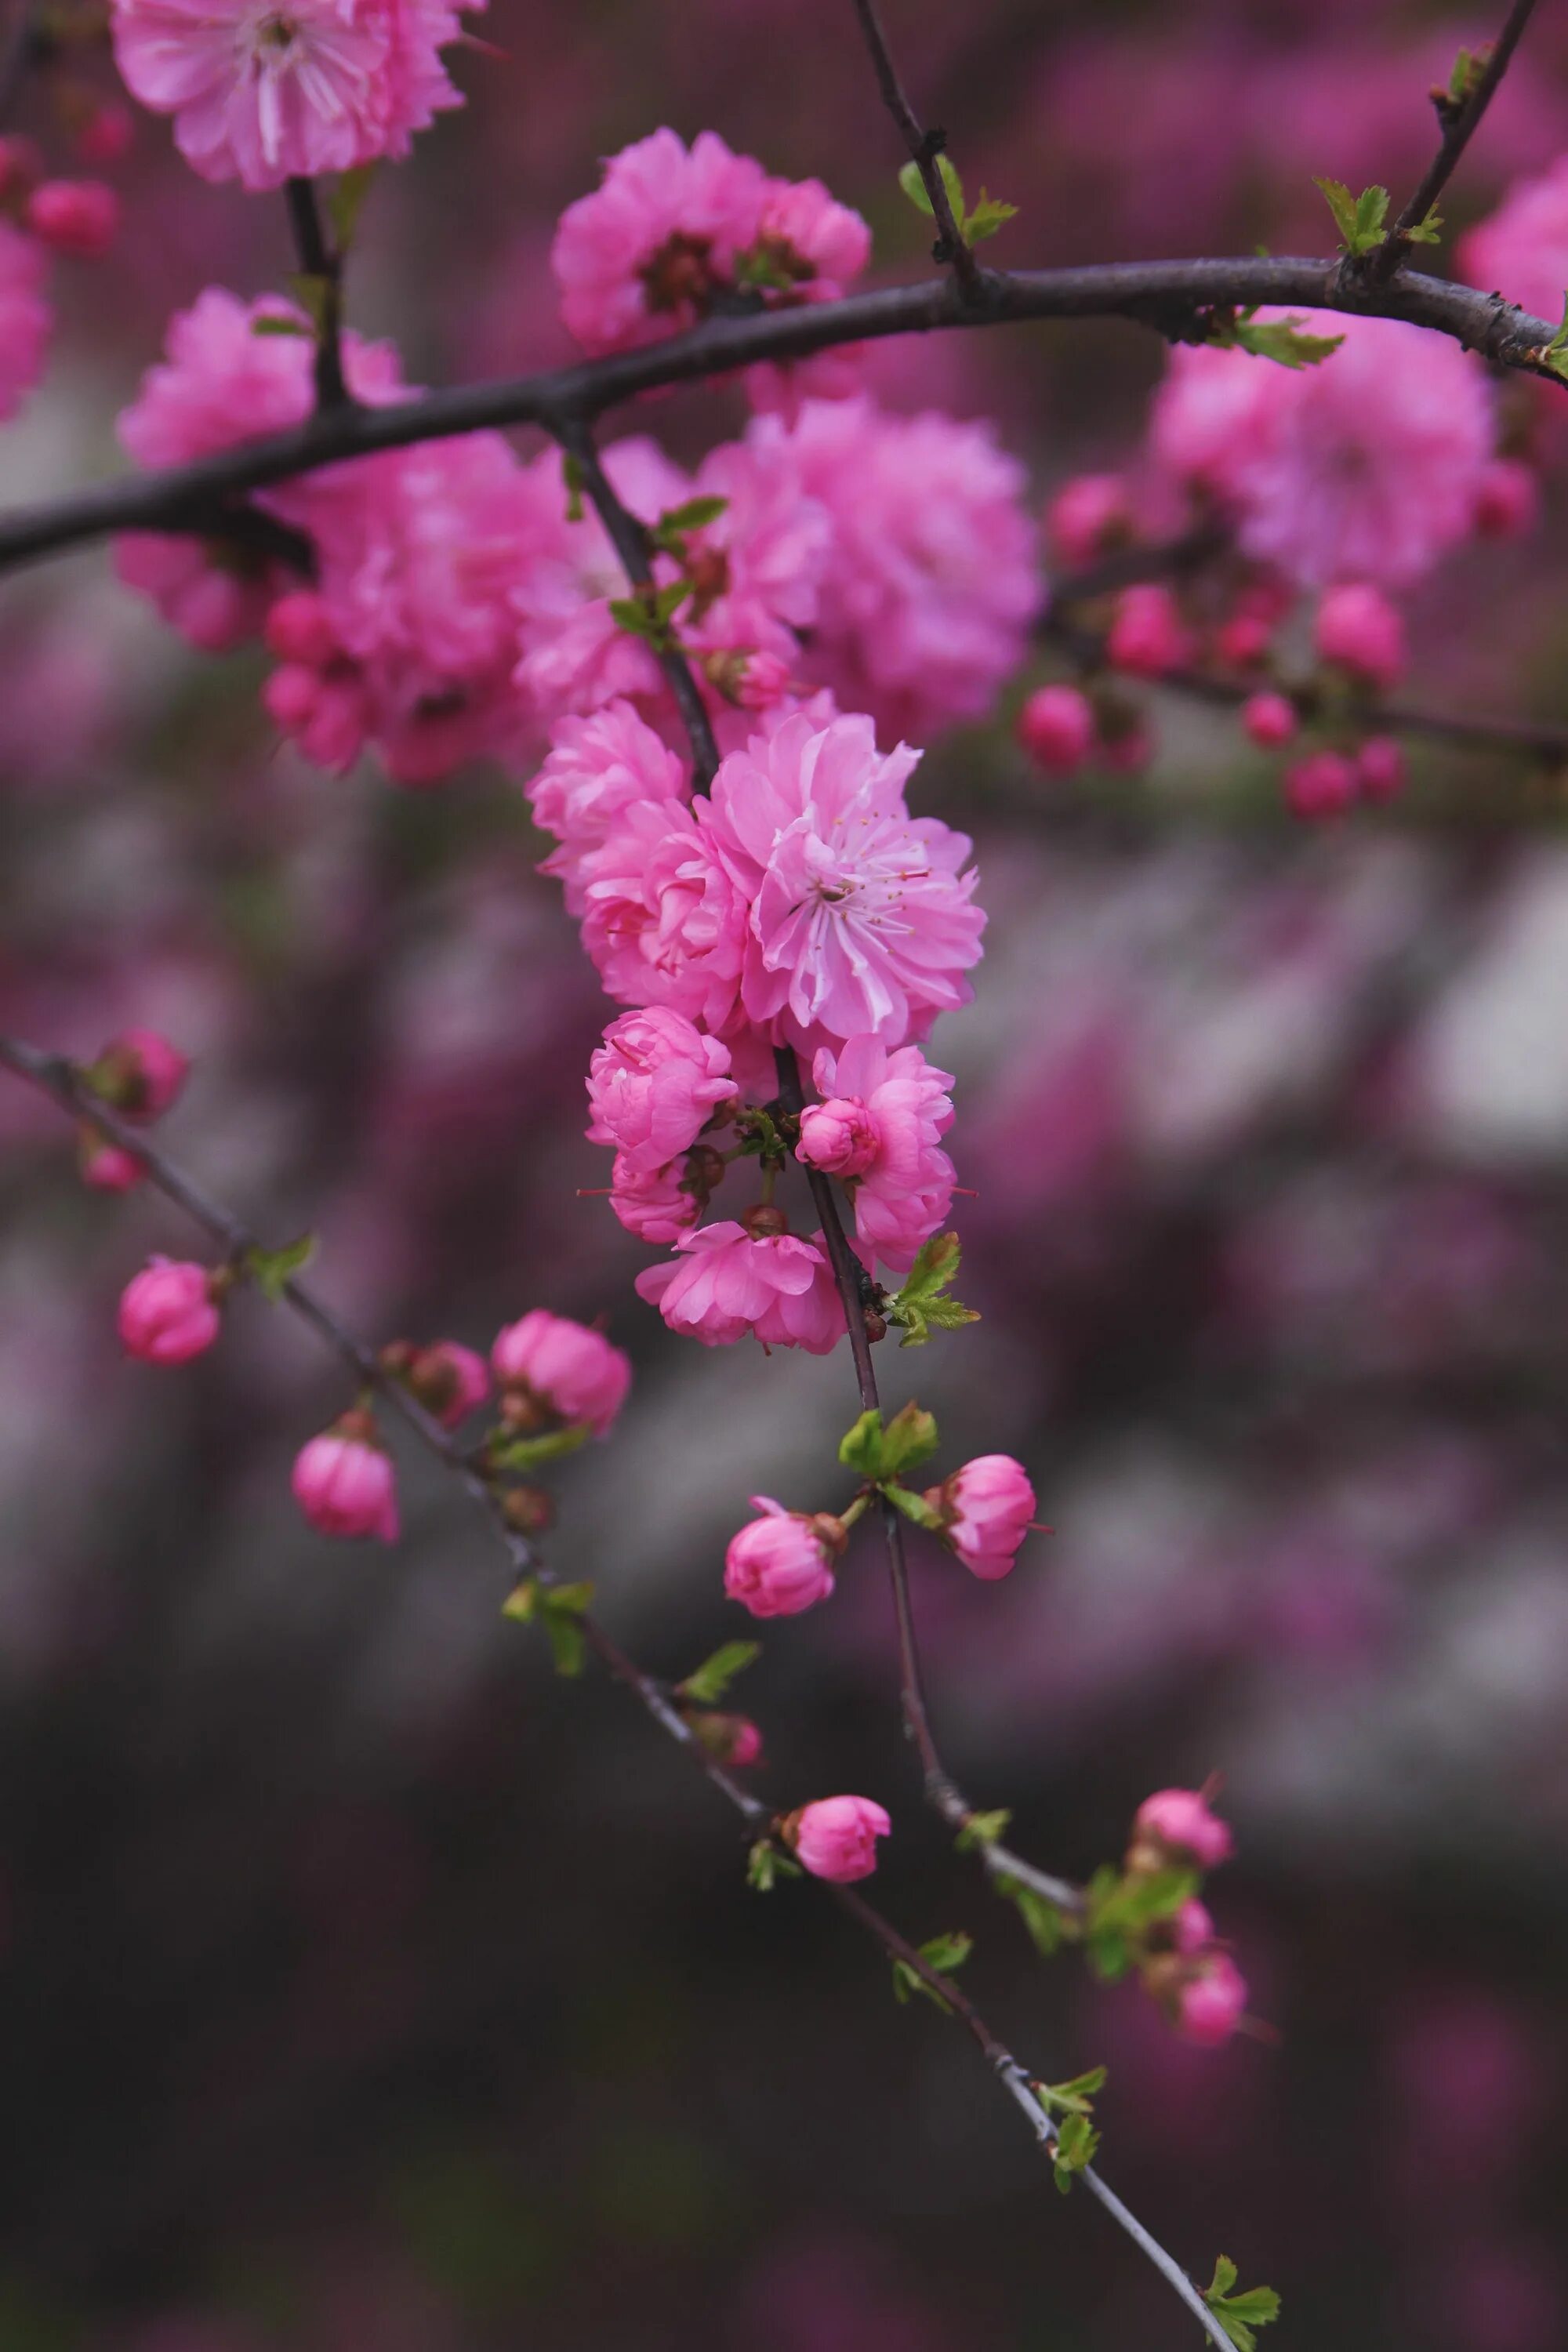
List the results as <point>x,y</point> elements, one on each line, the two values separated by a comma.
<point>59,1079</point>
<point>1172,297</point>
<point>1460,125</point>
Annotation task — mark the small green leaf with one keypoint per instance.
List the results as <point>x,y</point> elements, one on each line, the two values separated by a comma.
<point>1076,2142</point>
<point>565,1635</point>
<point>913,1506</point>
<point>1359,220</point>
<point>559,1608</point>
<point>860,1448</point>
<point>1240,2315</point>
<point>521,1603</point>
<point>273,1270</point>
<point>989,214</point>
<point>1428,231</point>
<point>572,475</point>
<point>913,187</point>
<point>982,1830</point>
<point>1048,1924</point>
<point>503,1451</point>
<point>1136,1902</point>
<point>346,203</point>
<point>278,322</point>
<point>712,1679</point>
<point>922,1301</point>
<point>1074,2098</point>
<point>942,1953</point>
<point>648,613</point>
<point>766,1863</point>
<point>673,525</point>
<point>1468,67</point>
<point>909,1438</point>
<point>571,1599</point>
<point>1281,340</point>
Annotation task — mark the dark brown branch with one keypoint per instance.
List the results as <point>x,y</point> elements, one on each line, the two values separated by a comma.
<point>322,264</point>
<point>924,147</point>
<point>1460,125</point>
<point>60,1079</point>
<point>1170,296</point>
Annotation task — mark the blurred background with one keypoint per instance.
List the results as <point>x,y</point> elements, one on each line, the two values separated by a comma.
<point>365,1988</point>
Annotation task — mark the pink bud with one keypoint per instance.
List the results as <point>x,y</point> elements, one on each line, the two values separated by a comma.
<point>79,216</point>
<point>1210,2005</point>
<point>139,1072</point>
<point>1242,640</point>
<point>292,696</point>
<point>563,1368</point>
<point>1358,629</point>
<point>449,1380</point>
<point>1322,785</point>
<point>1508,499</point>
<point>105,133</point>
<point>1180,1819</point>
<point>840,1135</point>
<point>988,1506</point>
<point>762,680</point>
<point>836,1838</point>
<point>1088,515</point>
<point>1192,1930</point>
<point>1147,636</point>
<point>167,1314</point>
<point>731,1739</point>
<point>777,1565</point>
<point>108,1167</point>
<point>1269,720</point>
<point>1380,767</point>
<point>298,629</point>
<point>1057,727</point>
<point>344,1484</point>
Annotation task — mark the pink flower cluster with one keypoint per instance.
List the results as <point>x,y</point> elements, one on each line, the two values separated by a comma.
<point>1187,1970</point>
<point>140,1075</point>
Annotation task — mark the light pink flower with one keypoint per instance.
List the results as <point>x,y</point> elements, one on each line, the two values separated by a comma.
<point>1521,251</point>
<point>597,768</point>
<point>345,1485</point>
<point>988,1506</point>
<point>141,1073</point>
<point>925,604</point>
<point>812,1319</point>
<point>167,1314</point>
<point>778,1564</point>
<point>723,1283</point>
<point>25,317</point>
<point>663,918</point>
<point>836,1838</point>
<point>888,1114</point>
<point>1181,1820</point>
<point>1357,628</point>
<point>652,1204</point>
<point>652,1085</point>
<point>859,916</point>
<point>1210,2003</point>
<point>569,1369</point>
<point>1057,727</point>
<point>75,216</point>
<point>1364,467</point>
<point>268,93</point>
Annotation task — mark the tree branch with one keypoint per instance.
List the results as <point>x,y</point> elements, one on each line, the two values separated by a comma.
<point>1172,297</point>
<point>323,266</point>
<point>924,147</point>
<point>1460,125</point>
<point>60,1079</point>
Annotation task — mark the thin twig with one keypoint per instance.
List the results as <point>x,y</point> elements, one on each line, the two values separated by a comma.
<point>1460,125</point>
<point>1172,297</point>
<point>924,147</point>
<point>60,1079</point>
<point>322,265</point>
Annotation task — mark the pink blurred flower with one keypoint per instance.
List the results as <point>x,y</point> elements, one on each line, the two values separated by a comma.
<point>344,1482</point>
<point>167,1314</point>
<point>75,216</point>
<point>1380,768</point>
<point>1323,784</point>
<point>1268,720</point>
<point>108,1167</point>
<point>859,917</point>
<point>724,1283</point>
<point>836,1838</point>
<point>25,317</point>
<point>1210,2003</point>
<point>1508,503</point>
<point>1357,628</point>
<point>884,1118</point>
<point>1057,727</point>
<point>1180,1821</point>
<point>139,1072</point>
<point>1521,249</point>
<point>652,1085</point>
<point>778,1564</point>
<point>1147,636</point>
<point>1086,516</point>
<point>570,1370</point>
<point>987,1507</point>
<point>1192,1930</point>
<point>105,134</point>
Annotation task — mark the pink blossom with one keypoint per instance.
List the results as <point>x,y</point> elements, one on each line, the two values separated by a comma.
<point>108,1167</point>
<point>1358,629</point>
<point>265,95</point>
<point>1521,249</point>
<point>344,1482</point>
<point>596,769</point>
<point>1380,768</point>
<point>25,317</point>
<point>988,1508</point>
<point>725,1282</point>
<point>106,133</point>
<point>836,1838</point>
<point>575,654</point>
<point>139,1072</point>
<point>859,918</point>
<point>663,918</point>
<point>653,1085</point>
<point>1508,503</point>
<point>76,217</point>
<point>653,1204</point>
<point>889,1112</point>
<point>1192,1930</point>
<point>758,564</point>
<point>1086,516</point>
<point>1181,1820</point>
<point>1364,467</point>
<point>563,1366</point>
<point>1147,636</point>
<point>925,606</point>
<point>778,1564</point>
<point>1323,784</point>
<point>1268,720</point>
<point>167,1314</point>
<point>1210,2004</point>
<point>1057,727</point>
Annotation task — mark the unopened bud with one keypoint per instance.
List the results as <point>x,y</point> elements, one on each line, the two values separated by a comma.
<point>763,1220</point>
<point>528,1510</point>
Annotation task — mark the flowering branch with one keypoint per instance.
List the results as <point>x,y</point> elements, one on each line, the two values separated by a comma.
<point>1174,298</point>
<point>925,147</point>
<point>60,1079</point>
<point>1460,119</point>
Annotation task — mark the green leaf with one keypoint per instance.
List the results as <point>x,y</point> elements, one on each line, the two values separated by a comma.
<point>505,1452</point>
<point>1279,339</point>
<point>1047,1923</point>
<point>1074,2098</point>
<point>565,1635</point>
<point>1428,231</point>
<point>1359,220</point>
<point>914,1507</point>
<point>272,1270</point>
<point>1468,67</point>
<point>1076,2142</point>
<point>572,475</point>
<point>913,187</point>
<point>676,522</point>
<point>989,214</point>
<point>982,1830</point>
<point>860,1448</point>
<point>1136,1902</point>
<point>766,1863</point>
<point>559,1609</point>
<point>923,1301</point>
<point>713,1676</point>
<point>942,1953</point>
<point>521,1603</point>
<point>571,1599</point>
<point>648,613</point>
<point>278,322</point>
<point>1240,2315</point>
<point>346,203</point>
<point>909,1438</point>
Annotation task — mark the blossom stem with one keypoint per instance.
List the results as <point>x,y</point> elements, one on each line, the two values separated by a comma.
<point>924,147</point>
<point>322,264</point>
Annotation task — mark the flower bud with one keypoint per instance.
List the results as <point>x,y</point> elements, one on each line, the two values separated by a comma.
<point>1359,630</point>
<point>77,216</point>
<point>1210,2005</point>
<point>731,1739</point>
<point>1268,720</point>
<point>1192,1930</point>
<point>1380,768</point>
<point>841,1137</point>
<point>761,1220</point>
<point>778,1564</point>
<point>563,1367</point>
<point>344,1484</point>
<point>105,133</point>
<point>1057,727</point>
<point>1242,640</point>
<point>1179,1827</point>
<point>449,1380</point>
<point>1508,499</point>
<point>1322,785</point>
<point>108,1167</point>
<point>167,1314</point>
<point>298,630</point>
<point>1088,515</point>
<point>139,1073</point>
<point>528,1510</point>
<point>836,1838</point>
<point>1147,637</point>
<point>988,1508</point>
